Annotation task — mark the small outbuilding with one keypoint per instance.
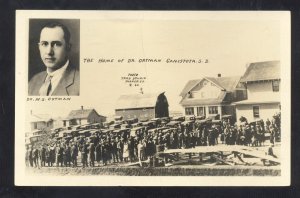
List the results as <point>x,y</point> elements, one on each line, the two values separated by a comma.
<point>83,116</point>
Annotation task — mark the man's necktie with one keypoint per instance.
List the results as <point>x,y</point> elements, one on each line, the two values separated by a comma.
<point>46,87</point>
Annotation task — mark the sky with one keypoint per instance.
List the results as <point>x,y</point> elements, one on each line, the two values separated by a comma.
<point>229,45</point>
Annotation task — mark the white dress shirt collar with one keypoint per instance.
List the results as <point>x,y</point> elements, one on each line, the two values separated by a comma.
<point>56,76</point>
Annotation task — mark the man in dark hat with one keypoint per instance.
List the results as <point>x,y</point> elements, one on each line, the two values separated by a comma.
<point>43,156</point>
<point>74,154</point>
<point>84,155</point>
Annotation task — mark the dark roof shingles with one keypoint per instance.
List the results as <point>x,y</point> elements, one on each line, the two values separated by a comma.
<point>79,114</point>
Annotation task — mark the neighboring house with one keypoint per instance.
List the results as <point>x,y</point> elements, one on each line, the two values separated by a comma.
<point>262,80</point>
<point>58,122</point>
<point>211,96</point>
<point>83,116</point>
<point>40,121</point>
<point>142,106</point>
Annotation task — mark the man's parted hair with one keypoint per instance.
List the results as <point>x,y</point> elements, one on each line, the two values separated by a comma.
<point>66,31</point>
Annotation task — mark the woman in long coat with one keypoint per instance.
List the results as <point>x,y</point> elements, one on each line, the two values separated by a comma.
<point>92,154</point>
<point>98,153</point>
<point>126,151</point>
<point>131,146</point>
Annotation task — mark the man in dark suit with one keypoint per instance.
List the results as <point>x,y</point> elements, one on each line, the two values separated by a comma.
<point>60,78</point>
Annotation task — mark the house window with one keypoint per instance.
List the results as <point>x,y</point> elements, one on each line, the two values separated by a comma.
<point>190,94</point>
<point>189,111</point>
<point>213,110</point>
<point>275,85</point>
<point>200,111</point>
<point>35,125</point>
<point>256,111</point>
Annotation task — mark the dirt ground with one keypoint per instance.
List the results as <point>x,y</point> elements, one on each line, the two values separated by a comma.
<point>186,167</point>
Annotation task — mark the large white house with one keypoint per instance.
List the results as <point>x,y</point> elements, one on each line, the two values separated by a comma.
<point>211,96</point>
<point>262,80</point>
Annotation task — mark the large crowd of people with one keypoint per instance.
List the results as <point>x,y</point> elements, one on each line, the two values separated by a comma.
<point>105,148</point>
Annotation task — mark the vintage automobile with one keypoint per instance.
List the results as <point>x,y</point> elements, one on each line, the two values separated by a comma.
<point>178,118</point>
<point>188,124</point>
<point>115,126</point>
<point>85,133</point>
<point>106,130</point>
<point>257,122</point>
<point>213,117</point>
<point>166,119</point>
<point>35,138</point>
<point>56,130</point>
<point>94,131</point>
<point>200,117</point>
<point>157,121</point>
<point>86,126</point>
<point>216,122</point>
<point>169,130</point>
<point>190,118</point>
<point>138,124</point>
<point>108,123</point>
<point>75,127</point>
<point>160,129</point>
<point>131,121</point>
<point>137,131</point>
<point>119,122</point>
<point>96,126</point>
<point>149,124</point>
<point>203,123</point>
<point>229,118</point>
<point>174,124</point>
<point>122,131</point>
<point>125,126</point>
<point>118,118</point>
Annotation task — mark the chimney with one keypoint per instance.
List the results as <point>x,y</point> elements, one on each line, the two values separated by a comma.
<point>219,75</point>
<point>247,65</point>
<point>30,112</point>
<point>81,107</point>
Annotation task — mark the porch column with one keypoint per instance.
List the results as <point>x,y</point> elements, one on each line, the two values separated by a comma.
<point>220,111</point>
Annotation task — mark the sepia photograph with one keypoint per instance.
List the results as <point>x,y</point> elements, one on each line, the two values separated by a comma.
<point>166,98</point>
<point>53,57</point>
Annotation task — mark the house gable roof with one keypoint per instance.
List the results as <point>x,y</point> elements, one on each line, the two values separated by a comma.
<point>134,101</point>
<point>268,70</point>
<point>40,118</point>
<point>189,85</point>
<point>228,83</point>
<point>224,83</point>
<point>80,114</point>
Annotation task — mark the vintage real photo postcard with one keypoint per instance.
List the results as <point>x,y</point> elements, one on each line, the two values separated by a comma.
<point>152,98</point>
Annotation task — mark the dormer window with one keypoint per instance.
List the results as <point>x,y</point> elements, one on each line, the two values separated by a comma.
<point>190,94</point>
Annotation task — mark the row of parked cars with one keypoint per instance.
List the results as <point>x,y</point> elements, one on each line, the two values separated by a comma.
<point>127,127</point>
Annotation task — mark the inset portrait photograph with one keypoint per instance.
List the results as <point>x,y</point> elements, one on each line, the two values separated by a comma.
<point>54,57</point>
